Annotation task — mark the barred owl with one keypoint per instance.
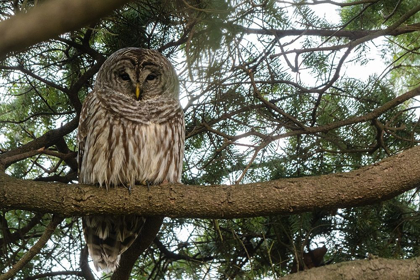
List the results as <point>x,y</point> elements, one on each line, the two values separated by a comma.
<point>131,131</point>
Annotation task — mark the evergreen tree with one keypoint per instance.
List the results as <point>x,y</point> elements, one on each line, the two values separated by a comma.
<point>270,99</point>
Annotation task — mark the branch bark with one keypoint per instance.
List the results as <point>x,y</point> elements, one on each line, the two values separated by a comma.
<point>378,268</point>
<point>365,186</point>
<point>51,19</point>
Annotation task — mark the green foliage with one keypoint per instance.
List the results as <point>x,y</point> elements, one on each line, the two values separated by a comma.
<point>377,14</point>
<point>245,105</point>
<point>387,230</point>
<point>24,229</point>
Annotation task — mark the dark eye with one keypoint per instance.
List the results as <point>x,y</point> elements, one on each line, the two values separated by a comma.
<point>125,76</point>
<point>151,77</point>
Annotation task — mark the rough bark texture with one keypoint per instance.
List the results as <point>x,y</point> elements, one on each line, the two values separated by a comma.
<point>378,268</point>
<point>367,185</point>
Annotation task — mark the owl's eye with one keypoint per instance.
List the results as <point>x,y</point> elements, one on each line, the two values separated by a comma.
<point>125,76</point>
<point>151,77</point>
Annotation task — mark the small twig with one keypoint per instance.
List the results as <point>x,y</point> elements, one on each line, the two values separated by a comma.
<point>387,17</point>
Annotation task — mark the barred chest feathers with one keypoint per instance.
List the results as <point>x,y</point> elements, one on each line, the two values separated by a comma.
<point>132,144</point>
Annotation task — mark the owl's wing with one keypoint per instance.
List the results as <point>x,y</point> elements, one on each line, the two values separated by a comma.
<point>83,127</point>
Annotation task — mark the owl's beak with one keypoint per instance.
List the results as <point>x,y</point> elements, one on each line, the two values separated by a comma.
<point>138,91</point>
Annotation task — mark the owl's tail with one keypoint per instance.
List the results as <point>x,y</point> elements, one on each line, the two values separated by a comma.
<point>107,237</point>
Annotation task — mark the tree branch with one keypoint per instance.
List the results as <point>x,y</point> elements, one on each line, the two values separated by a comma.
<point>350,34</point>
<point>37,145</point>
<point>377,268</point>
<point>345,4</point>
<point>55,273</point>
<point>84,264</point>
<point>34,249</point>
<point>128,259</point>
<point>174,256</point>
<point>55,17</point>
<point>20,233</point>
<point>365,186</point>
<point>356,119</point>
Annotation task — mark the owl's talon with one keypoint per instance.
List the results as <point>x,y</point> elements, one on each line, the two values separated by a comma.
<point>129,189</point>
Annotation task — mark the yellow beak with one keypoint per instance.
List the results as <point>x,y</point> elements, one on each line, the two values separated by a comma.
<point>138,91</point>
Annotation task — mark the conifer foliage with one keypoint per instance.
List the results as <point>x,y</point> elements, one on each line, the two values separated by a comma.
<point>271,90</point>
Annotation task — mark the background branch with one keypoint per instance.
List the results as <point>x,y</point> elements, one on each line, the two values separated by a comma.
<point>34,250</point>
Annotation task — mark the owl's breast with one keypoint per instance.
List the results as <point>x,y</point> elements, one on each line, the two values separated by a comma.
<point>118,151</point>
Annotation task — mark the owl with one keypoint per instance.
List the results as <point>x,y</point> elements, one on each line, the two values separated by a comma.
<point>131,131</point>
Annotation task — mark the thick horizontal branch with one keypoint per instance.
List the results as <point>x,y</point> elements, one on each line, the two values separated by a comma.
<point>377,268</point>
<point>51,19</point>
<point>365,186</point>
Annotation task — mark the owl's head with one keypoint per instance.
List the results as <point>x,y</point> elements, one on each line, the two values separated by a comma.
<point>140,74</point>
